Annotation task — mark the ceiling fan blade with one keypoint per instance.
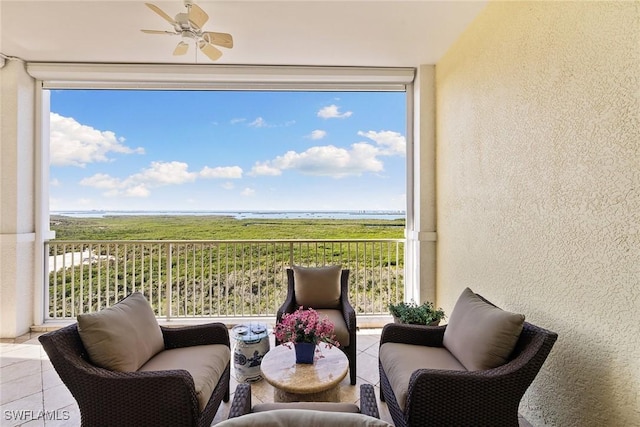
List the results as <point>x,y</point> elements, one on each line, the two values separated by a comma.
<point>181,49</point>
<point>171,33</point>
<point>159,11</point>
<point>197,16</point>
<point>220,39</point>
<point>208,49</point>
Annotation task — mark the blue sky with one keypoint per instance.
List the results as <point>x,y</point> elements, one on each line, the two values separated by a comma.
<point>227,150</point>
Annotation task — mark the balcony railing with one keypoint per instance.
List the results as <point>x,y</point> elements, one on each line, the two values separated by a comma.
<point>213,279</point>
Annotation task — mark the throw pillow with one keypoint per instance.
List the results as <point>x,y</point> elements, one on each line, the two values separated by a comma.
<point>317,287</point>
<point>480,335</point>
<point>121,337</point>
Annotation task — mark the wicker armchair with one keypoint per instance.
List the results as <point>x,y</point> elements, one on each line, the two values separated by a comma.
<point>454,397</point>
<point>153,398</point>
<point>241,404</point>
<point>348,314</point>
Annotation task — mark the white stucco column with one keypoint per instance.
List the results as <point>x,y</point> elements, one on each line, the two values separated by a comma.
<point>17,199</point>
<point>421,197</point>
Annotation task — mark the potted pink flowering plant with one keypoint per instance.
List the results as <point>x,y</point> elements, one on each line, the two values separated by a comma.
<point>305,329</point>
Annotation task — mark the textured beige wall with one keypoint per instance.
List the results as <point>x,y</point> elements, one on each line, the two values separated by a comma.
<point>538,191</point>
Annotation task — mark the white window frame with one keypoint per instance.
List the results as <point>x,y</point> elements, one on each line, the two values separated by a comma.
<point>52,76</point>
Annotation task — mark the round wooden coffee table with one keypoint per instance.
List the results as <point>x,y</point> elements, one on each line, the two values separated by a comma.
<point>296,382</point>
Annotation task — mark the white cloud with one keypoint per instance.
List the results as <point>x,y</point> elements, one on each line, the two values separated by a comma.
<point>228,185</point>
<point>325,161</point>
<point>158,174</point>
<point>265,168</point>
<point>239,120</point>
<point>55,182</point>
<point>163,173</point>
<point>333,112</point>
<point>74,144</point>
<point>390,143</point>
<point>248,192</point>
<point>361,157</point>
<point>317,134</point>
<point>229,172</point>
<point>258,123</point>
<point>102,181</point>
<point>139,190</point>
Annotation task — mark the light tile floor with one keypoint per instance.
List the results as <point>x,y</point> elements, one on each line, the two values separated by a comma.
<point>32,394</point>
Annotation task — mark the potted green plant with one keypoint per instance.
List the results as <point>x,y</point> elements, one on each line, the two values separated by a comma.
<point>410,312</point>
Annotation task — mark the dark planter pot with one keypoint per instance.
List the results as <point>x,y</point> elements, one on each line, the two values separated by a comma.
<point>305,352</point>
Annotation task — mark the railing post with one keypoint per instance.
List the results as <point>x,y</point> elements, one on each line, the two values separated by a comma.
<point>169,278</point>
<point>45,297</point>
<point>290,254</point>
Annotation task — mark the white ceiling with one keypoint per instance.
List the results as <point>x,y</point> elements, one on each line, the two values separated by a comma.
<point>284,32</point>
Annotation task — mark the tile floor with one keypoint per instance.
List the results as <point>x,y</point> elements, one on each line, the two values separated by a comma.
<point>29,386</point>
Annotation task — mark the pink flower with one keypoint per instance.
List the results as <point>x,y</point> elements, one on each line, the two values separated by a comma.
<point>305,325</point>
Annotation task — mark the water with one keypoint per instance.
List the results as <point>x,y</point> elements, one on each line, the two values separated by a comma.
<point>390,215</point>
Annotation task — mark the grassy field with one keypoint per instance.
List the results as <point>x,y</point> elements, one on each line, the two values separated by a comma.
<point>188,227</point>
<point>218,278</point>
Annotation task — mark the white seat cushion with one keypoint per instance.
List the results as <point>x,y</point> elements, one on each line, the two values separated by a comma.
<point>314,406</point>
<point>399,361</point>
<point>205,363</point>
<point>302,417</point>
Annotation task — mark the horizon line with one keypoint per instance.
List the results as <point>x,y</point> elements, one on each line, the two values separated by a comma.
<point>361,211</point>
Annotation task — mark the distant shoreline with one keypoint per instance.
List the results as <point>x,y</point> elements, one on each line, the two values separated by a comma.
<point>357,214</point>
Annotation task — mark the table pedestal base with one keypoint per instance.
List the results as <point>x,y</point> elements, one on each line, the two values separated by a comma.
<point>301,382</point>
<point>331,395</point>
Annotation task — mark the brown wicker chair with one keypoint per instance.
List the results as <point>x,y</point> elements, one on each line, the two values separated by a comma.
<point>155,398</point>
<point>290,305</point>
<point>455,398</point>
<point>241,404</point>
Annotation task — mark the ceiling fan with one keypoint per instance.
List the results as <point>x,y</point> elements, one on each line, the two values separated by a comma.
<point>189,26</point>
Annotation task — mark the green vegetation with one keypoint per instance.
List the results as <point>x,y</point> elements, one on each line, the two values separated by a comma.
<point>196,265</point>
<point>221,228</point>
<point>423,314</point>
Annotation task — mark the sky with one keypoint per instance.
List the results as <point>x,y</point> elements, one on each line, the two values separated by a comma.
<point>227,150</point>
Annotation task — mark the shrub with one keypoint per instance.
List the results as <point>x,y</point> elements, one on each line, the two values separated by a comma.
<point>423,314</point>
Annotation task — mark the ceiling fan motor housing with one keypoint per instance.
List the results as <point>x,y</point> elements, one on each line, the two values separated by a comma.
<point>189,35</point>
<point>182,22</point>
